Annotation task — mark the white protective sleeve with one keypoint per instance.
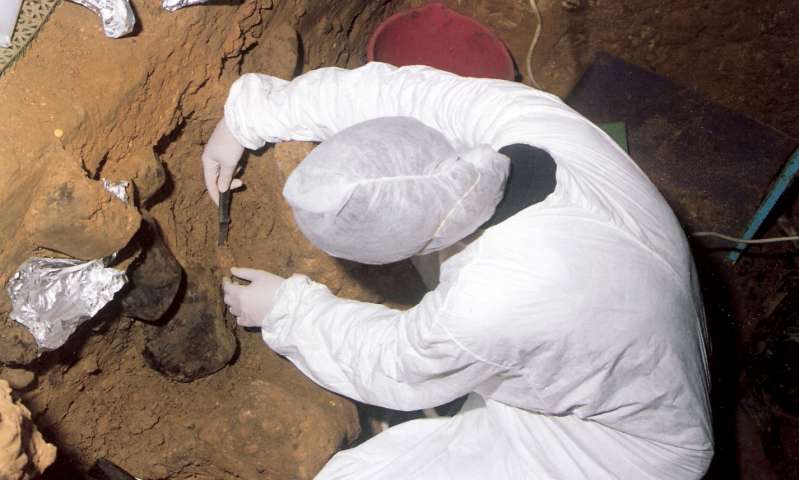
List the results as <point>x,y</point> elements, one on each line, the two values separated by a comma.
<point>371,353</point>
<point>313,107</point>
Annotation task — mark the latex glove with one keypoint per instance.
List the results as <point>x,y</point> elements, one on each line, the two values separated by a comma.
<point>252,303</point>
<point>220,158</point>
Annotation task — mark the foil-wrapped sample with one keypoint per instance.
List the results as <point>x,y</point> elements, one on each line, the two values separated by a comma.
<point>9,11</point>
<point>172,5</point>
<point>53,296</point>
<point>118,18</point>
<point>118,189</point>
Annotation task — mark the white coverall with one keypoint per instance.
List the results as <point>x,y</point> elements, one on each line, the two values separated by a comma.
<point>576,325</point>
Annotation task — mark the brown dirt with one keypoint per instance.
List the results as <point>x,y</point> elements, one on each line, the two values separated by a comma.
<point>117,100</point>
<point>258,418</point>
<point>23,452</point>
<point>738,53</point>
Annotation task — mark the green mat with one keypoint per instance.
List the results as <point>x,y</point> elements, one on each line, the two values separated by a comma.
<point>618,132</point>
<point>32,16</point>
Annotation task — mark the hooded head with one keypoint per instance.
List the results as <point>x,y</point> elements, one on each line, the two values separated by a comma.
<point>387,189</point>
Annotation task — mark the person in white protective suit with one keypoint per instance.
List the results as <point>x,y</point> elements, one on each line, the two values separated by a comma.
<point>574,322</point>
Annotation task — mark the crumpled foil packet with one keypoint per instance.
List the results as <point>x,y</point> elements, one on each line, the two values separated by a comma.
<point>118,18</point>
<point>9,11</point>
<point>172,5</point>
<point>53,296</point>
<point>118,189</point>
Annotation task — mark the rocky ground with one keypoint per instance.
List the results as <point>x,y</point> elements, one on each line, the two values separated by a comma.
<point>140,108</point>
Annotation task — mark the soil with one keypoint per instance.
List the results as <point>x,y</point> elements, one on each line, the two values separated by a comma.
<point>258,418</point>
<point>140,109</point>
<point>116,102</point>
<point>739,54</point>
<point>23,452</point>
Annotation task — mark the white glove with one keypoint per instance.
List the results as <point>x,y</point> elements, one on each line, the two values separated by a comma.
<point>252,303</point>
<point>220,158</point>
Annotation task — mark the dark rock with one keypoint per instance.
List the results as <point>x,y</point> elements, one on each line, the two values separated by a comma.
<point>199,340</point>
<point>154,278</point>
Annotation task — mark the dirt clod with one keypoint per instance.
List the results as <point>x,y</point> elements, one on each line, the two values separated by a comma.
<point>199,339</point>
<point>17,345</point>
<point>241,426</point>
<point>18,378</point>
<point>76,216</point>
<point>144,169</point>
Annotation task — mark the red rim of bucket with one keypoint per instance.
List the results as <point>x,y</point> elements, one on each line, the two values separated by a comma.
<point>509,71</point>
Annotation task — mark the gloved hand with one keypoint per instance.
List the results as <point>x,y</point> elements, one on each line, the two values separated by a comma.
<point>251,304</point>
<point>220,158</point>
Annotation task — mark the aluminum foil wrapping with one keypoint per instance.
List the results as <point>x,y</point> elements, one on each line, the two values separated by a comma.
<point>9,11</point>
<point>118,18</point>
<point>172,5</point>
<point>52,296</point>
<point>118,189</point>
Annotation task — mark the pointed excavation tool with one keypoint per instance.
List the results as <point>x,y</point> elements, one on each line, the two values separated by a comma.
<point>224,216</point>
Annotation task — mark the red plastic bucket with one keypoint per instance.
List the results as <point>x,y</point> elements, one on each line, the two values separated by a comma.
<point>436,36</point>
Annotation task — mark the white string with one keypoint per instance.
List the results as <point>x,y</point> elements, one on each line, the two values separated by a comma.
<point>741,240</point>
<point>452,212</point>
<point>533,43</point>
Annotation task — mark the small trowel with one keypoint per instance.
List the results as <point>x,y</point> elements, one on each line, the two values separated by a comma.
<point>224,216</point>
<point>224,256</point>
